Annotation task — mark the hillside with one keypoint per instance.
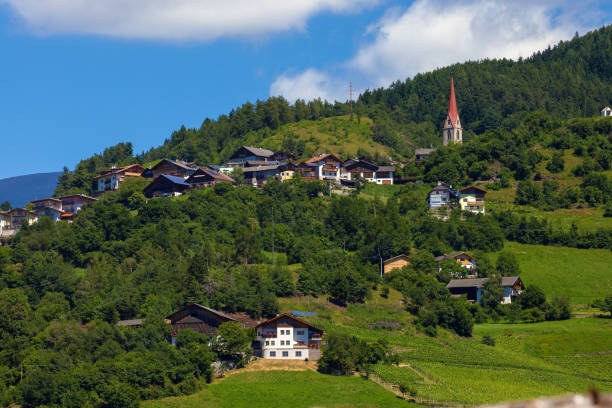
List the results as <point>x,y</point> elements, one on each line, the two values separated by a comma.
<point>491,94</point>
<point>21,190</point>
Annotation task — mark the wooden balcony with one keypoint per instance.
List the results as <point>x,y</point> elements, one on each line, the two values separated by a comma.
<point>268,335</point>
<point>330,169</point>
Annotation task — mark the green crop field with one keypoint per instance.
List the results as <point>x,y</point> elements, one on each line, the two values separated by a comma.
<point>291,389</point>
<point>582,274</point>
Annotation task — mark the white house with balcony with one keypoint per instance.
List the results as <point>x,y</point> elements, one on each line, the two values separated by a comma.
<point>327,167</point>
<point>286,337</point>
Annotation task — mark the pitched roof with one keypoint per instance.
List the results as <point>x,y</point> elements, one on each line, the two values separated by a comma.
<point>260,168</point>
<point>473,188</point>
<point>290,316</point>
<point>453,256</point>
<point>175,180</point>
<point>386,261</point>
<point>116,170</point>
<point>46,199</point>
<point>179,163</point>
<point>322,156</point>
<point>479,283</point>
<point>77,195</point>
<point>422,151</point>
<point>386,168</point>
<point>208,309</point>
<point>452,104</point>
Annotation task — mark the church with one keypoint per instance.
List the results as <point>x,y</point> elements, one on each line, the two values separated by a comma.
<point>451,130</point>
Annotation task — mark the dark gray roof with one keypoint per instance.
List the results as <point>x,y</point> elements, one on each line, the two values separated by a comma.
<point>448,256</point>
<point>386,168</point>
<point>479,283</point>
<point>204,308</point>
<point>260,168</point>
<point>257,151</point>
<point>131,322</point>
<point>423,151</point>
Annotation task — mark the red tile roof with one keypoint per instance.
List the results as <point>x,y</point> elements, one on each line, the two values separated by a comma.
<point>452,104</point>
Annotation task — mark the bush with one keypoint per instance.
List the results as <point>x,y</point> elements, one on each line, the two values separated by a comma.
<point>559,309</point>
<point>488,340</point>
<point>532,315</point>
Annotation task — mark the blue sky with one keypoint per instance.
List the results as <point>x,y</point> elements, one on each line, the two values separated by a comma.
<point>79,76</point>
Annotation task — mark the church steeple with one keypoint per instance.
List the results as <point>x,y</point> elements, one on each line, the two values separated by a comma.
<point>451,131</point>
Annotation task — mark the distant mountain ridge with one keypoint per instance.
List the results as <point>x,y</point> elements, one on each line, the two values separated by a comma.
<point>20,190</point>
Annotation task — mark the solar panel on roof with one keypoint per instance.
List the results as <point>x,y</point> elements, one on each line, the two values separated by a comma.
<point>302,314</point>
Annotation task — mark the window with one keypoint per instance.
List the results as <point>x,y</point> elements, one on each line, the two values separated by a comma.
<point>298,354</point>
<point>300,332</point>
<point>267,343</point>
<point>272,342</point>
<point>282,332</point>
<point>288,332</point>
<point>282,342</point>
<point>285,354</point>
<point>273,354</point>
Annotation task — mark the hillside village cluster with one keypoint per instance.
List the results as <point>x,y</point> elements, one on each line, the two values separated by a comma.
<point>285,336</point>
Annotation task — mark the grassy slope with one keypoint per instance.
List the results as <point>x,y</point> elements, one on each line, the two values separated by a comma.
<point>529,360</point>
<point>582,274</point>
<point>285,389</point>
<point>338,135</point>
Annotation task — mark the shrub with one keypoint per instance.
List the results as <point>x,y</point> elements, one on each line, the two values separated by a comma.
<point>488,340</point>
<point>532,315</point>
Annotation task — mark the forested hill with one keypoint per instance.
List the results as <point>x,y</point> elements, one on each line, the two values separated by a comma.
<point>571,79</point>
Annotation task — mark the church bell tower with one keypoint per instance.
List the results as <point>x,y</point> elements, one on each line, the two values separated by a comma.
<point>451,130</point>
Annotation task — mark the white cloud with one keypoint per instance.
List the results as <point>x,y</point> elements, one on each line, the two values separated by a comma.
<point>308,85</point>
<point>434,33</point>
<point>174,20</point>
<point>429,35</point>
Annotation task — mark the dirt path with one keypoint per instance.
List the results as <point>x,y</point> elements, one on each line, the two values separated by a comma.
<point>426,378</point>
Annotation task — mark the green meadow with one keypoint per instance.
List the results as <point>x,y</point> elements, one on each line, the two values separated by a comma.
<point>581,274</point>
<point>290,389</point>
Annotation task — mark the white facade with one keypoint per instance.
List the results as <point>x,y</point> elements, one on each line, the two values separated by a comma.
<point>607,111</point>
<point>109,182</point>
<point>286,338</point>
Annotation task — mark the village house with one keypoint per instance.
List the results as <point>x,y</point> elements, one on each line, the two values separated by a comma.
<point>326,167</point>
<point>441,196</point>
<point>306,171</point>
<point>14,219</point>
<point>466,261</point>
<point>202,319</point>
<point>176,168</point>
<point>472,199</point>
<point>288,337</point>
<point>246,153</point>
<point>48,207</point>
<point>353,168</point>
<point>606,111</point>
<point>112,178</point>
<point>4,222</point>
<point>204,177</point>
<point>422,154</point>
<point>474,288</point>
<point>72,203</point>
<point>166,186</point>
<point>286,172</point>
<point>397,262</point>
<point>257,176</point>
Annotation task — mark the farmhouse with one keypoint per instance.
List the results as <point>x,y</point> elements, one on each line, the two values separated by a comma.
<point>326,167</point>
<point>176,168</point>
<point>112,178</point>
<point>472,199</point>
<point>441,196</point>
<point>207,178</point>
<point>288,337</point>
<point>74,202</point>
<point>166,186</point>
<point>353,168</point>
<point>422,154</point>
<point>474,288</point>
<point>467,261</point>
<point>247,153</point>
<point>257,176</point>
<point>200,318</point>
<point>17,217</point>
<point>397,262</point>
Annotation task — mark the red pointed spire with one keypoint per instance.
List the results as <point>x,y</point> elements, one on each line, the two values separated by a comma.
<point>452,104</point>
